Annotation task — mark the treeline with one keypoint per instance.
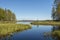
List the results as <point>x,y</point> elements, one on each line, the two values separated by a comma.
<point>56,11</point>
<point>7,15</point>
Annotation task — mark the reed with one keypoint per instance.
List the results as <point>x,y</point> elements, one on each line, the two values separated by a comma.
<point>7,29</point>
<point>56,33</point>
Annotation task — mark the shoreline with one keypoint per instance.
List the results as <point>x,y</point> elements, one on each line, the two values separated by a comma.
<point>46,23</point>
<point>8,29</point>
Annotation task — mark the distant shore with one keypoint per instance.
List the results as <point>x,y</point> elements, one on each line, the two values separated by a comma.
<point>45,23</point>
<point>53,23</point>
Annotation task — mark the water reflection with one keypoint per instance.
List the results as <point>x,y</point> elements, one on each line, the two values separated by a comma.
<point>37,26</point>
<point>35,32</point>
<point>55,35</point>
<point>56,28</point>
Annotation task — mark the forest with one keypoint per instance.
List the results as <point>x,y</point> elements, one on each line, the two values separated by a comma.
<point>7,15</point>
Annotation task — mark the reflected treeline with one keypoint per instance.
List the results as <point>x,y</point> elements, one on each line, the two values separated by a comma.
<point>10,37</point>
<point>37,25</point>
<point>56,28</point>
<point>55,33</point>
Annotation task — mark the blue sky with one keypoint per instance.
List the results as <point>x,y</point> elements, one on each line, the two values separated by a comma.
<point>29,9</point>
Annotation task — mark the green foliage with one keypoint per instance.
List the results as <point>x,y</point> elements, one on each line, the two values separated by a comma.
<point>56,12</point>
<point>53,12</point>
<point>7,15</point>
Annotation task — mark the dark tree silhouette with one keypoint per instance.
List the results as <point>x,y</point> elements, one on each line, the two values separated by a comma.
<point>56,10</point>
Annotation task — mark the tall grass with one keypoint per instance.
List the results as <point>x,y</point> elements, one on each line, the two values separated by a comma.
<point>56,33</point>
<point>7,29</point>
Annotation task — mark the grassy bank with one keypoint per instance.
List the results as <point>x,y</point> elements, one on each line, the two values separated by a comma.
<point>56,34</point>
<point>45,23</point>
<point>7,29</point>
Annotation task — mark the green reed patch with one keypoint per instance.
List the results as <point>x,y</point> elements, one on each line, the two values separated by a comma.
<point>7,29</point>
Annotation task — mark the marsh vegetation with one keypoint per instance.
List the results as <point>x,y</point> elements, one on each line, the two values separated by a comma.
<point>46,22</point>
<point>8,29</point>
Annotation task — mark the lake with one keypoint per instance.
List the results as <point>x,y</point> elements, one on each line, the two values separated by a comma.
<point>37,32</point>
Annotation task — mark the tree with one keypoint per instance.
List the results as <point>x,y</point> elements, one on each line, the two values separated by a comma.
<point>53,13</point>
<point>7,15</point>
<point>2,14</point>
<point>13,17</point>
<point>56,10</point>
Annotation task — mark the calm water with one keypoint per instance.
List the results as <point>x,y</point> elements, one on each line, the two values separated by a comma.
<point>37,32</point>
